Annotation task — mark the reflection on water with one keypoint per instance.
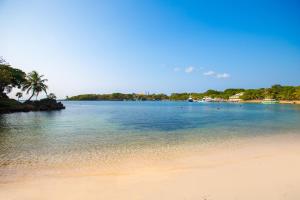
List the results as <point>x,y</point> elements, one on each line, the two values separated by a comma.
<point>87,132</point>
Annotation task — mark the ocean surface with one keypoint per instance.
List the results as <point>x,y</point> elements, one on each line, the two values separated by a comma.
<point>90,132</point>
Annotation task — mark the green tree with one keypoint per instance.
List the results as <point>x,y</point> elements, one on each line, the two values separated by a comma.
<point>51,96</point>
<point>213,93</point>
<point>254,94</point>
<point>287,93</point>
<point>179,96</point>
<point>35,84</point>
<point>297,93</point>
<point>9,78</point>
<point>269,93</point>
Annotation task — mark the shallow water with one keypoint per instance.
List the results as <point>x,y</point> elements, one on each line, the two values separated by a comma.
<point>104,132</point>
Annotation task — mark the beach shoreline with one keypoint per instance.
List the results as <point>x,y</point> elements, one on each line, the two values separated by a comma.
<point>252,168</point>
<point>279,102</point>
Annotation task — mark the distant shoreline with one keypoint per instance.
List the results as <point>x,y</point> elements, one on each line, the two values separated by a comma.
<point>285,94</point>
<point>294,102</point>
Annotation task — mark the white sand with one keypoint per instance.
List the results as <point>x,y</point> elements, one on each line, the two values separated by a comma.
<point>265,168</point>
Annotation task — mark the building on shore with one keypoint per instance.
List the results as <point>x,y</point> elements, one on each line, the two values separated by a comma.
<point>236,97</point>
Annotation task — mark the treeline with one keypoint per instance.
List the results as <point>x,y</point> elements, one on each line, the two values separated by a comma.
<point>120,97</point>
<point>32,83</point>
<point>12,78</point>
<point>277,92</point>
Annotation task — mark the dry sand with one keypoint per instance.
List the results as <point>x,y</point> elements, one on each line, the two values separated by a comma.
<point>263,168</point>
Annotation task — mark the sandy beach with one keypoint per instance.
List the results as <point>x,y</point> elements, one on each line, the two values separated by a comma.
<point>149,100</point>
<point>253,168</point>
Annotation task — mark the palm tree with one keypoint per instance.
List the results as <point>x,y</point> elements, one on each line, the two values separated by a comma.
<point>35,83</point>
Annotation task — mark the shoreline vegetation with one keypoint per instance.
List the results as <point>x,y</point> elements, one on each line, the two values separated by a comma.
<point>32,83</point>
<point>283,94</point>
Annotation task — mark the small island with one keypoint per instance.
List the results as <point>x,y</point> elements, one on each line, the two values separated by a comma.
<point>32,83</point>
<point>277,93</point>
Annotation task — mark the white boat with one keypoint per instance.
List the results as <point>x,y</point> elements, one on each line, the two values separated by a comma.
<point>269,101</point>
<point>201,101</point>
<point>190,99</point>
<point>208,99</point>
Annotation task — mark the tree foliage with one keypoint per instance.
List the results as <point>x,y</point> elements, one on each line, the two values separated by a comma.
<point>9,78</point>
<point>120,97</point>
<point>277,92</point>
<point>51,96</point>
<point>35,84</point>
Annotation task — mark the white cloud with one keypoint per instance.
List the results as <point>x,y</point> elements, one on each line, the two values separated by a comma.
<point>216,75</point>
<point>223,75</point>
<point>189,69</point>
<point>209,73</point>
<point>176,69</point>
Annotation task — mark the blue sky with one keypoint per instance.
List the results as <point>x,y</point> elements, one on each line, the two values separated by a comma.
<point>150,45</point>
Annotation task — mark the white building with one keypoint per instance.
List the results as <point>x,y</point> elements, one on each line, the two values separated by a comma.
<point>236,97</point>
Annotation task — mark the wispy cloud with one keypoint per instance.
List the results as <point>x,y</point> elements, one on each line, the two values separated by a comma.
<point>209,73</point>
<point>189,69</point>
<point>176,69</point>
<point>223,75</point>
<point>216,75</point>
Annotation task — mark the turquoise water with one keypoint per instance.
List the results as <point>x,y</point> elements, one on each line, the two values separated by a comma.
<point>101,131</point>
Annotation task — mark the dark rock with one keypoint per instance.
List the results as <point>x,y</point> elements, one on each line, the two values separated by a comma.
<point>11,105</point>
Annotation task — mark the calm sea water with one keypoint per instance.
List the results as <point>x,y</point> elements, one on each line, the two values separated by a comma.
<point>102,131</point>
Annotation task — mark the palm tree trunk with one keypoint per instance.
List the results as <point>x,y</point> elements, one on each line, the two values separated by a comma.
<point>30,96</point>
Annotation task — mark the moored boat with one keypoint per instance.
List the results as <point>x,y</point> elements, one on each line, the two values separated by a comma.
<point>201,101</point>
<point>190,99</point>
<point>269,101</point>
<point>208,99</point>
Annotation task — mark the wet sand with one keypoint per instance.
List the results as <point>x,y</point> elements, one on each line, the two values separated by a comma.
<point>253,168</point>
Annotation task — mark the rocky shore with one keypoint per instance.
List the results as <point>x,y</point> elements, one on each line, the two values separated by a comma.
<point>11,105</point>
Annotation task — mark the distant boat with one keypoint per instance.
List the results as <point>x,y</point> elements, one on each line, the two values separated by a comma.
<point>190,99</point>
<point>269,101</point>
<point>207,99</point>
<point>202,101</point>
